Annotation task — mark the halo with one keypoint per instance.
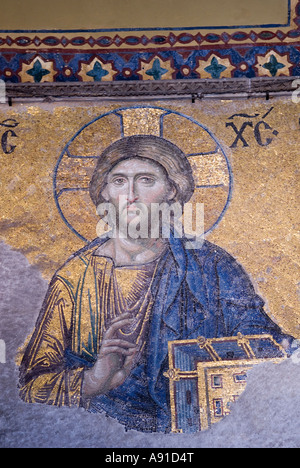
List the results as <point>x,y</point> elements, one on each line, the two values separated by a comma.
<point>74,169</point>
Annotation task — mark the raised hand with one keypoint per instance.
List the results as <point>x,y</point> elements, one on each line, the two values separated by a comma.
<point>115,361</point>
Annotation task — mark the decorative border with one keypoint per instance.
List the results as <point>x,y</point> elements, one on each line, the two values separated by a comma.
<point>88,42</point>
<point>188,64</point>
<point>189,55</point>
<point>195,89</point>
<point>139,37</point>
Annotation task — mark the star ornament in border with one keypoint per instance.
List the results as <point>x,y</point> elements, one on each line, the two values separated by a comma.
<point>273,64</point>
<point>215,67</point>
<point>37,71</point>
<point>156,69</point>
<point>96,70</point>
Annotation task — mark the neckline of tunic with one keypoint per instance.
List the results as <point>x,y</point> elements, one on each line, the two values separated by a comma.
<point>140,266</point>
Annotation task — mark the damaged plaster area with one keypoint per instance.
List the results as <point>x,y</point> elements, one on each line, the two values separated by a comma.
<point>266,415</point>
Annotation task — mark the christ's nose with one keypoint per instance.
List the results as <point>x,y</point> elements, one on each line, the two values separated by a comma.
<point>131,194</point>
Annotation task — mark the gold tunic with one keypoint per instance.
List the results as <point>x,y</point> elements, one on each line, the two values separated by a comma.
<point>126,289</point>
<point>83,298</point>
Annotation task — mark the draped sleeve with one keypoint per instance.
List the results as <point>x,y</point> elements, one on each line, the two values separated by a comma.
<point>227,296</point>
<point>44,374</point>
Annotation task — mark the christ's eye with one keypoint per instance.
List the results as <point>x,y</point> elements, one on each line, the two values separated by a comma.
<point>146,180</point>
<point>119,181</point>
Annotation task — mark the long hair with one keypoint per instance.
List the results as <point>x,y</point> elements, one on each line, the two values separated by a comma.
<point>159,150</point>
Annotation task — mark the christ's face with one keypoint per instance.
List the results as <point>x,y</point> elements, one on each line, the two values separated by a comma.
<point>133,185</point>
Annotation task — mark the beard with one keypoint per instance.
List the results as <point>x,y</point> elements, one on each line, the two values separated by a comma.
<point>137,220</point>
<point>134,220</point>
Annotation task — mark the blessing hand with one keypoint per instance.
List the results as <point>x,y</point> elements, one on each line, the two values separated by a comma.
<point>115,361</point>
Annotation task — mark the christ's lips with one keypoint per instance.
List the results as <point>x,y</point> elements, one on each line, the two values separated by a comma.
<point>133,208</point>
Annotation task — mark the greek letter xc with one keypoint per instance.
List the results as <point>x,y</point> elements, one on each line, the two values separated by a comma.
<point>239,133</point>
